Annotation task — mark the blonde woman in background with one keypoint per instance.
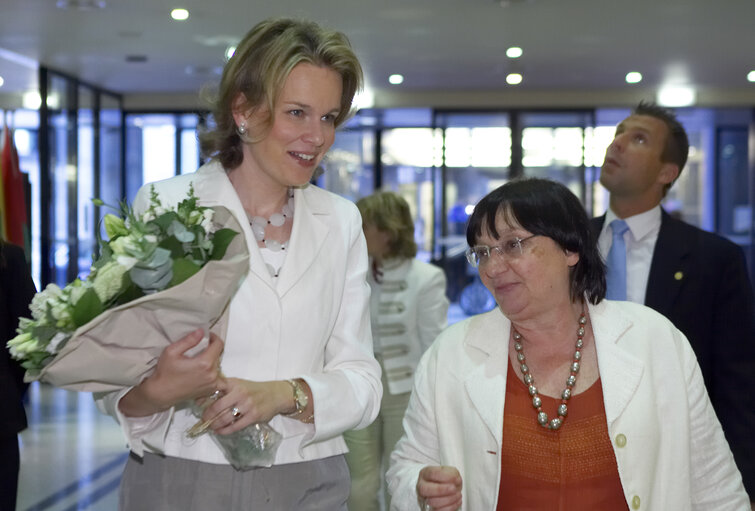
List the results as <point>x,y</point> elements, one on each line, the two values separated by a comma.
<point>408,308</point>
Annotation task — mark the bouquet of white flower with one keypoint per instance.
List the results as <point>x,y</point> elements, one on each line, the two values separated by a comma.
<point>162,274</point>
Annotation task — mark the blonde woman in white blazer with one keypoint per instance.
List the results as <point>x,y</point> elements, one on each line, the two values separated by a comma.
<point>474,439</point>
<point>408,308</point>
<point>298,350</point>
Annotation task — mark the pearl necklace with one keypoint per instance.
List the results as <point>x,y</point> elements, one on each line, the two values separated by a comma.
<point>537,402</point>
<point>259,224</point>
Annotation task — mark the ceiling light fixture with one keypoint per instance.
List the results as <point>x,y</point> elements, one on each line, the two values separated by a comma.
<point>676,96</point>
<point>514,78</point>
<point>514,52</point>
<point>1,81</point>
<point>633,77</point>
<point>179,14</point>
<point>396,79</point>
<point>751,76</point>
<point>80,5</point>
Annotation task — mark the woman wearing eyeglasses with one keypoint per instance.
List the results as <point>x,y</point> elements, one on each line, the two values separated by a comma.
<point>557,399</point>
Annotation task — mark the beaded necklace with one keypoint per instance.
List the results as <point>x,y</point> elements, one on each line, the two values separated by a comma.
<point>259,224</point>
<point>529,380</point>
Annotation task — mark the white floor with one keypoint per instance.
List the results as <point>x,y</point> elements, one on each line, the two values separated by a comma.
<point>72,456</point>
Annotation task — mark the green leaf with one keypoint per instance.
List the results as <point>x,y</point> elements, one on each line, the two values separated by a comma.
<point>182,270</point>
<point>130,291</point>
<point>43,333</point>
<point>175,247</point>
<point>87,308</point>
<point>220,242</point>
<point>166,219</point>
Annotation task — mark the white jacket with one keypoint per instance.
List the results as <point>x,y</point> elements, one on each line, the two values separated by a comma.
<point>313,323</point>
<point>673,454</point>
<point>409,308</point>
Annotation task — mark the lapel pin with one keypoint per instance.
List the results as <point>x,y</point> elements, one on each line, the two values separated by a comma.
<point>678,275</point>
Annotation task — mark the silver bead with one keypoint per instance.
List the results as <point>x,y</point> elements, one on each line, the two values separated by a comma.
<point>555,424</point>
<point>580,343</point>
<point>575,367</point>
<point>528,379</point>
<point>524,369</point>
<point>520,357</point>
<point>517,336</point>
<point>518,346</point>
<point>566,394</point>
<point>537,402</point>
<point>581,331</point>
<point>542,418</point>
<point>532,390</point>
<point>577,355</point>
<point>582,319</point>
<point>562,410</point>
<point>571,380</point>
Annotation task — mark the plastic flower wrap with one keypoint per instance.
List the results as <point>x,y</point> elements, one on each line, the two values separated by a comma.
<point>160,275</point>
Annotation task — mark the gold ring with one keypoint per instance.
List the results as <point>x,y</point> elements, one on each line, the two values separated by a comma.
<point>236,412</point>
<point>215,395</point>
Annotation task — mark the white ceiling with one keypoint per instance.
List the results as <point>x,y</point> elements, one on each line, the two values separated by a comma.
<point>442,47</point>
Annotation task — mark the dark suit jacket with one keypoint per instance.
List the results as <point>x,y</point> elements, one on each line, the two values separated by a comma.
<point>16,292</point>
<point>699,281</point>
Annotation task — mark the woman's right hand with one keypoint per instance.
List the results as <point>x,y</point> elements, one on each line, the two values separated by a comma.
<point>177,377</point>
<point>440,488</point>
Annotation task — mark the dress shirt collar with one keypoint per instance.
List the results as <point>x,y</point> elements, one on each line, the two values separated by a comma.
<point>640,225</point>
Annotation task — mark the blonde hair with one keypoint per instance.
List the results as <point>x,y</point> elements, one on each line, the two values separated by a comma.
<point>390,213</point>
<point>260,66</point>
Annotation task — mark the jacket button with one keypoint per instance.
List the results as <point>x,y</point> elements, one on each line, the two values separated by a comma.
<point>635,502</point>
<point>621,440</point>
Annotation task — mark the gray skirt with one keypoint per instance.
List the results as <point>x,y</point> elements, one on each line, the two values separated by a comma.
<point>164,483</point>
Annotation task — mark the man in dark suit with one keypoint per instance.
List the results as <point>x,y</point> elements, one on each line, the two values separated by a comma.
<point>695,278</point>
<point>16,291</point>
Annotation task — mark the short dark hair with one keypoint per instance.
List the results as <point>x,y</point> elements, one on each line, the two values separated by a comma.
<point>550,209</point>
<point>676,149</point>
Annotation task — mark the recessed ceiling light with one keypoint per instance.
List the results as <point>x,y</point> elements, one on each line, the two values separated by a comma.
<point>1,81</point>
<point>633,77</point>
<point>751,76</point>
<point>81,5</point>
<point>513,78</point>
<point>179,14</point>
<point>396,79</point>
<point>676,95</point>
<point>514,52</point>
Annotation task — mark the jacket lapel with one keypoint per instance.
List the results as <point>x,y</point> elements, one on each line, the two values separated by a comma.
<point>486,383</point>
<point>620,372</point>
<point>308,235</point>
<point>667,272</point>
<point>213,188</point>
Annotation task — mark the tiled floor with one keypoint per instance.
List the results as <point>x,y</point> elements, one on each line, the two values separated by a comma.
<point>72,456</point>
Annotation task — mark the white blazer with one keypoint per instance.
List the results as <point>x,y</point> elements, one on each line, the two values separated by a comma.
<point>310,322</point>
<point>670,450</point>
<point>409,308</point>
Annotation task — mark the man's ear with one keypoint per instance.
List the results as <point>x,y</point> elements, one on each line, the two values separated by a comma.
<point>669,172</point>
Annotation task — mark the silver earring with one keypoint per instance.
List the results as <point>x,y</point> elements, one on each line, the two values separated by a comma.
<point>241,129</point>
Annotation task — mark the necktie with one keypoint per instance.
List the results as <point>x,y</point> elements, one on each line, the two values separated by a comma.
<point>616,278</point>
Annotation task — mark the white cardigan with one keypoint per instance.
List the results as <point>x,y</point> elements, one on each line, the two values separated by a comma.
<point>313,323</point>
<point>672,454</point>
<point>409,308</point>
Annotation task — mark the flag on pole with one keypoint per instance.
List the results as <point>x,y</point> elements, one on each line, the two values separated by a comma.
<point>16,227</point>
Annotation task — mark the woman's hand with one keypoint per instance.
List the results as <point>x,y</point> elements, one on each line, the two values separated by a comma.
<point>244,402</point>
<point>177,377</point>
<point>439,488</point>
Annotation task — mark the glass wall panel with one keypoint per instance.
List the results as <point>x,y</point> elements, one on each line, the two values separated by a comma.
<point>62,137</point>
<point>348,168</point>
<point>110,178</point>
<point>85,180</point>
<point>189,143</point>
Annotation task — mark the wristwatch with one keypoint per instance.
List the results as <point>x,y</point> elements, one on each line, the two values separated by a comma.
<point>300,398</point>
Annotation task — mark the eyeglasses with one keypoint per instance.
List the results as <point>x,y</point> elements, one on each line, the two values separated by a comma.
<point>510,249</point>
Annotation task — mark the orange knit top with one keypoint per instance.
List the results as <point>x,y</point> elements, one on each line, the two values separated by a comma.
<point>571,468</point>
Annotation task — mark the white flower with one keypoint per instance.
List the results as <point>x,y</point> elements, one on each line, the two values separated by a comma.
<point>109,281</point>
<point>38,305</point>
<point>52,346</point>
<point>207,220</point>
<point>22,344</point>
